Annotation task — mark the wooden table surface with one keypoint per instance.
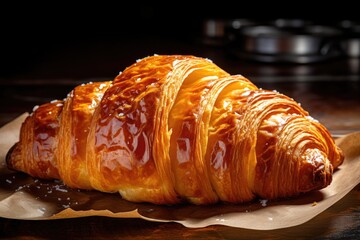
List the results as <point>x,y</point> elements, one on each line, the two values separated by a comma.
<point>329,91</point>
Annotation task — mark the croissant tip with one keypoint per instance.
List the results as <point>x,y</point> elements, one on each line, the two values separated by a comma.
<point>323,175</point>
<point>8,158</point>
<point>318,170</point>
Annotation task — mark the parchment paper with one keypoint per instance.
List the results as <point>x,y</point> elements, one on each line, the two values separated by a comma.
<point>22,197</point>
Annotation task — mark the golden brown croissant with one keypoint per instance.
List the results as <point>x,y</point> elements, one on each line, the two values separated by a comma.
<point>175,128</point>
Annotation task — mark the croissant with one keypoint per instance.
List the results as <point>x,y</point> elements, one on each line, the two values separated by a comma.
<point>177,128</point>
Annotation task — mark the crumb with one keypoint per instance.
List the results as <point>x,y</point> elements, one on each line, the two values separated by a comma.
<point>314,204</point>
<point>263,202</point>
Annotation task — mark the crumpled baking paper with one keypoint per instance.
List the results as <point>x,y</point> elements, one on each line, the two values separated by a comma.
<point>23,197</point>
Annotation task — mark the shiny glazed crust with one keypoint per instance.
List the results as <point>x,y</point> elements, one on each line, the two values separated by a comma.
<point>176,128</point>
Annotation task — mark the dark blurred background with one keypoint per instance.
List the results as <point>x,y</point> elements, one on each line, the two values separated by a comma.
<point>92,40</point>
